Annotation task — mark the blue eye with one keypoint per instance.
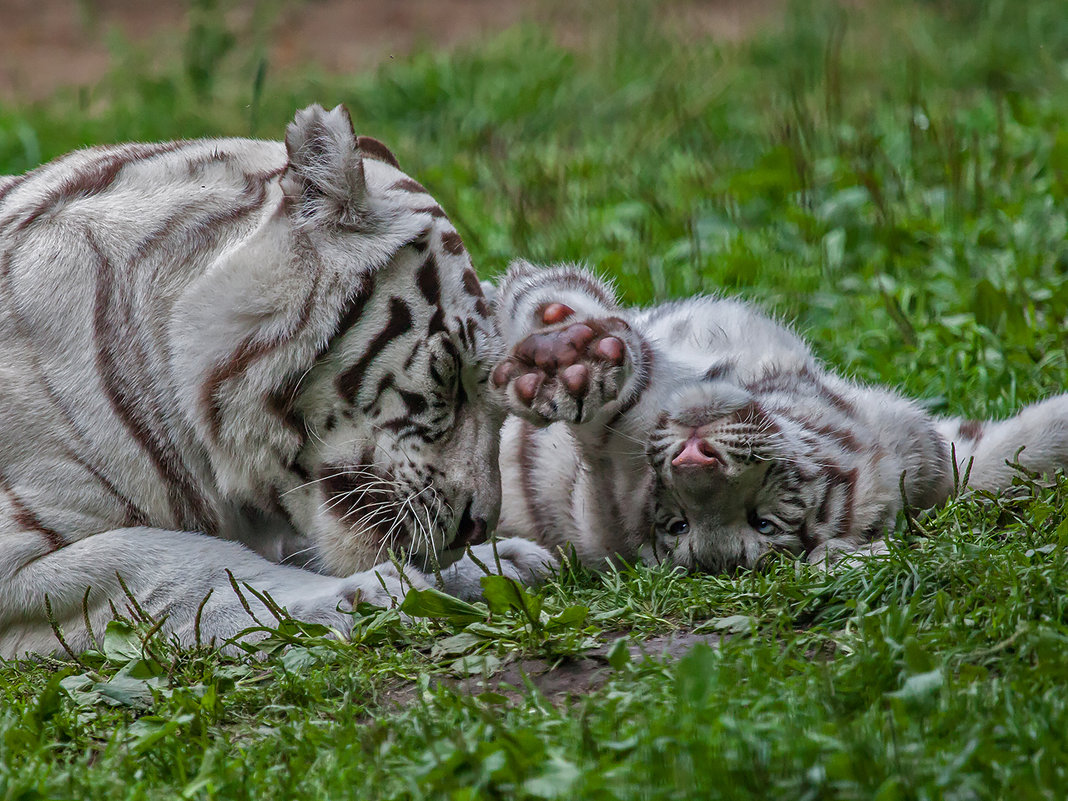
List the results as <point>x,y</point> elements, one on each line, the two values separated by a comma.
<point>678,527</point>
<point>763,526</point>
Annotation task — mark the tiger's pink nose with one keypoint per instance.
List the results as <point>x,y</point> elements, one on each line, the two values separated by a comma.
<point>696,453</point>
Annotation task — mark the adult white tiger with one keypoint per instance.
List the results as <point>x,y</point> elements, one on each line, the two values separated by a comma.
<point>221,355</point>
<point>704,433</point>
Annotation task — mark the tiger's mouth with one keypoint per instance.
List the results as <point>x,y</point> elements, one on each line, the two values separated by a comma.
<point>469,531</point>
<point>387,515</point>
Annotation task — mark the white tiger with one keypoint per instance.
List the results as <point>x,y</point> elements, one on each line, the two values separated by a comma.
<point>705,434</point>
<point>236,357</point>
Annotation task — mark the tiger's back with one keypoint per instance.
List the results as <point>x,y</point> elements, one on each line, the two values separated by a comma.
<point>90,391</point>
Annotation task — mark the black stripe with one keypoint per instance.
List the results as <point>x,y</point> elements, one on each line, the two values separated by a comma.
<point>410,185</point>
<point>351,311</point>
<point>134,515</point>
<point>845,482</point>
<point>433,211</point>
<point>411,356</point>
<point>129,391</point>
<point>717,371</point>
<point>27,520</point>
<point>96,177</point>
<point>205,232</point>
<point>451,241</point>
<point>281,402</point>
<point>406,427</point>
<point>426,278</point>
<point>473,288</point>
<point>372,148</point>
<point>842,436</point>
<point>415,402</point>
<point>384,383</point>
<point>400,322</point>
<point>471,284</point>
<point>11,186</point>
<point>970,430</point>
<point>202,233</point>
<point>250,350</point>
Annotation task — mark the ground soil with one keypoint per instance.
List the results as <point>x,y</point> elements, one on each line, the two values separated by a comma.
<point>560,680</point>
<point>47,44</point>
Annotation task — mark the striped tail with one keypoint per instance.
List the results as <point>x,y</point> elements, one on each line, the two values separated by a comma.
<point>1036,438</point>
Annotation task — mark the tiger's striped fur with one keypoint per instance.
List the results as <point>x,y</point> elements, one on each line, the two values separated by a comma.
<point>235,356</point>
<point>704,433</point>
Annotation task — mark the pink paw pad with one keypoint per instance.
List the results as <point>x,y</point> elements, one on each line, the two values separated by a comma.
<point>556,349</point>
<point>576,379</point>
<point>567,354</point>
<point>503,373</point>
<point>555,313</point>
<point>610,349</point>
<point>527,385</point>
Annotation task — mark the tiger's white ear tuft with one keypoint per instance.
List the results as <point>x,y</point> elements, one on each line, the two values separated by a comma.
<point>521,268</point>
<point>324,181</point>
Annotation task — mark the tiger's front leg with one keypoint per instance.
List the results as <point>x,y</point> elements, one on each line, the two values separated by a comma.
<point>574,377</point>
<point>184,579</point>
<point>572,355</point>
<point>514,557</point>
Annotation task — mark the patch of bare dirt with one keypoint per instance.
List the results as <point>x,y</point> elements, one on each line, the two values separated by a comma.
<point>48,44</point>
<point>559,681</point>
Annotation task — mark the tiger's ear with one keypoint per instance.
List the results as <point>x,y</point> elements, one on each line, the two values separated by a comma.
<point>324,182</point>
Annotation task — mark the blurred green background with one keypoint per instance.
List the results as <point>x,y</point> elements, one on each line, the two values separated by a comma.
<point>889,175</point>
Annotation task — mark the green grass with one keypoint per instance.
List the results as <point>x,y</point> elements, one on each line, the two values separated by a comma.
<point>895,182</point>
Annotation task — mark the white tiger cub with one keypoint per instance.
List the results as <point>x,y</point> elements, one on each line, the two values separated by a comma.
<point>219,356</point>
<point>705,434</point>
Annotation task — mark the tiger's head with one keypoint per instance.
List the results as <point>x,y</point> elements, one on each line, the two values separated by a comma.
<point>358,396</point>
<point>786,463</point>
<point>402,425</point>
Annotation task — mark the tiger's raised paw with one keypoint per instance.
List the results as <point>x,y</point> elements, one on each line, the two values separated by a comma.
<point>570,371</point>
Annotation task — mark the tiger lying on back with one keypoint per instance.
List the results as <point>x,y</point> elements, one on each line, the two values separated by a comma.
<point>221,355</point>
<point>703,433</point>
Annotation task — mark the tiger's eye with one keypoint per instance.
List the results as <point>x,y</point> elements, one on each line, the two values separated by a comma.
<point>678,527</point>
<point>764,526</point>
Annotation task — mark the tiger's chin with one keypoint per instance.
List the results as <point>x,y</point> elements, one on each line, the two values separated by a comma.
<point>439,561</point>
<point>466,533</point>
<point>344,547</point>
<point>347,547</point>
